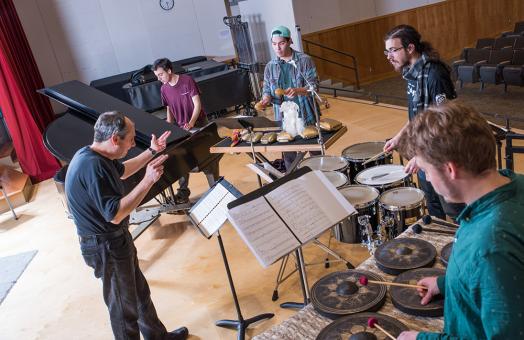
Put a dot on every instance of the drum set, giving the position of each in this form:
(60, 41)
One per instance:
(383, 195)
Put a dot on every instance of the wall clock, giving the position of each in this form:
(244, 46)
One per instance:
(167, 4)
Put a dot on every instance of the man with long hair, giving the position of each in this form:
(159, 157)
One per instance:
(428, 83)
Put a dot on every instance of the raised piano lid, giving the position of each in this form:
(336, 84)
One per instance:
(91, 103)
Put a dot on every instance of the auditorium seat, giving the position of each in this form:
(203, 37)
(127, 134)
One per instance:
(519, 43)
(492, 71)
(468, 69)
(504, 42)
(485, 43)
(517, 30)
(513, 74)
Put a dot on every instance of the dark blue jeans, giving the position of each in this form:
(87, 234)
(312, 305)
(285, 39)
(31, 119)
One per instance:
(125, 289)
(436, 204)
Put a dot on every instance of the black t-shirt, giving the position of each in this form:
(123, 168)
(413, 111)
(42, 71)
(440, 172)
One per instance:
(94, 189)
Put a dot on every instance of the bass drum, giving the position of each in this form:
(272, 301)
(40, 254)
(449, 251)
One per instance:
(364, 199)
(357, 154)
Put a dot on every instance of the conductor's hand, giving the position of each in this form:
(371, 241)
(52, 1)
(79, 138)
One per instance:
(155, 169)
(411, 167)
(430, 292)
(159, 144)
(408, 335)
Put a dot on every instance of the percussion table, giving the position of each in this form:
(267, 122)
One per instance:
(297, 145)
(308, 323)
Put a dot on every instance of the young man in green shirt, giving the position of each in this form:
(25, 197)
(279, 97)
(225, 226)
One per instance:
(483, 287)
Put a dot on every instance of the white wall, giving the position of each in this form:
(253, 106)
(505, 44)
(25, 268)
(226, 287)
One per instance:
(92, 39)
(262, 16)
(315, 15)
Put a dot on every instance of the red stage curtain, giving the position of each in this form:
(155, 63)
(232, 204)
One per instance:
(26, 112)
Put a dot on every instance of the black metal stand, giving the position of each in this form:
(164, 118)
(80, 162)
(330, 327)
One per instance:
(240, 325)
(303, 283)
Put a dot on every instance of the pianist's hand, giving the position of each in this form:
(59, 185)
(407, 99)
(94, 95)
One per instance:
(159, 144)
(155, 169)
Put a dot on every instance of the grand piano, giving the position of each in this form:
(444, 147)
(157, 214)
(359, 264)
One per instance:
(74, 129)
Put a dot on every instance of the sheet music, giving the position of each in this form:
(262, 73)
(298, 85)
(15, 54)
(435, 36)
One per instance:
(299, 210)
(211, 212)
(327, 196)
(262, 230)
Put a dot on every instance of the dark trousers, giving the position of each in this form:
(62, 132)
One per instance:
(436, 204)
(125, 289)
(183, 182)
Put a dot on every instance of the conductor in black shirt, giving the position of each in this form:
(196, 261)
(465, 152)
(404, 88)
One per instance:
(100, 209)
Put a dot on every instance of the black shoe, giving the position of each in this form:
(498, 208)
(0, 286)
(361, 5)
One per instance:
(178, 334)
(181, 199)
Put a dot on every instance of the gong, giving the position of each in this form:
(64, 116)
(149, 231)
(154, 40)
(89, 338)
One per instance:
(407, 299)
(355, 327)
(445, 253)
(340, 293)
(401, 254)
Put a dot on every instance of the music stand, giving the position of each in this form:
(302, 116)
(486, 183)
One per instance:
(208, 214)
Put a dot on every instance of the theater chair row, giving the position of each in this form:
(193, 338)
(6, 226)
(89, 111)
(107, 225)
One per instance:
(503, 66)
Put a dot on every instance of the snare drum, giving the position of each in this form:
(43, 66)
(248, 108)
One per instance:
(357, 154)
(325, 163)
(336, 178)
(384, 177)
(399, 208)
(364, 199)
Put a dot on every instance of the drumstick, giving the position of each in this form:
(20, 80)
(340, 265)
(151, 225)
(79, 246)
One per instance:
(372, 323)
(364, 281)
(428, 220)
(374, 157)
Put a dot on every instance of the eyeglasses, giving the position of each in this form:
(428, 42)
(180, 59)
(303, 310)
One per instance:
(392, 50)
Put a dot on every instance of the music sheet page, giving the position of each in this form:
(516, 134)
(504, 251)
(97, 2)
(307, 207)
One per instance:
(308, 206)
(262, 230)
(211, 213)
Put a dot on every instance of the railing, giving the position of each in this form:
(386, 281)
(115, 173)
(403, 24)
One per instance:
(352, 67)
(375, 97)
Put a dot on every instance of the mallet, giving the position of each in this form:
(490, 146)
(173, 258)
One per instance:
(373, 322)
(364, 281)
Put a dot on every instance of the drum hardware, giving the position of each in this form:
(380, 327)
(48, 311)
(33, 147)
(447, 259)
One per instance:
(427, 219)
(417, 229)
(386, 229)
(356, 326)
(373, 322)
(407, 300)
(367, 234)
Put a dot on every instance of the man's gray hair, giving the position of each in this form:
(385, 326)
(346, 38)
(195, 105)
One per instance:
(109, 124)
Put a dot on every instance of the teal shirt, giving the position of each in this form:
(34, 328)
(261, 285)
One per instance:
(484, 282)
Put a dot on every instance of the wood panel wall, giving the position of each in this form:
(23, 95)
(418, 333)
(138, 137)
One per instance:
(449, 26)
